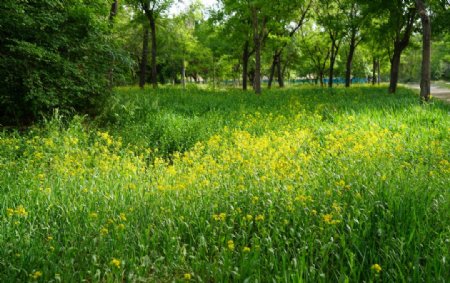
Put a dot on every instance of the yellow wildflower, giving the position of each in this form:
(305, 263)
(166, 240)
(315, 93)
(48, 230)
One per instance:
(20, 210)
(10, 212)
(259, 217)
(231, 245)
(328, 218)
(187, 276)
(103, 231)
(249, 217)
(246, 249)
(35, 275)
(220, 217)
(376, 267)
(123, 217)
(115, 262)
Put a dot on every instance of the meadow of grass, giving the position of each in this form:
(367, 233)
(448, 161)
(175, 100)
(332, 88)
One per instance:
(307, 184)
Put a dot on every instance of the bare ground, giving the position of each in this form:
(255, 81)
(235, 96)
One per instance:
(436, 91)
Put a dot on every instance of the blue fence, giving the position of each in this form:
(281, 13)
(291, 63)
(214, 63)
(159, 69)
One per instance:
(336, 81)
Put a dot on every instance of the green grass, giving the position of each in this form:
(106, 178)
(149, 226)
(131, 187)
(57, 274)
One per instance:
(303, 184)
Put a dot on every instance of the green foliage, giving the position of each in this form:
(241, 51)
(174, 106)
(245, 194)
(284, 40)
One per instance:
(440, 59)
(54, 54)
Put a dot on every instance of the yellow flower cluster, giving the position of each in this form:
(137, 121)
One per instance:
(328, 219)
(19, 211)
(376, 268)
(115, 262)
(230, 245)
(220, 217)
(35, 275)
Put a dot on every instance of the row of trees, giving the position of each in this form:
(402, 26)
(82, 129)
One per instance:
(320, 32)
(69, 54)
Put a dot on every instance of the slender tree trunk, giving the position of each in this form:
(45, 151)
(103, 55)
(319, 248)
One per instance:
(272, 70)
(183, 74)
(214, 73)
(251, 77)
(113, 11)
(351, 52)
(395, 66)
(112, 15)
(374, 71)
(245, 58)
(334, 51)
(257, 42)
(154, 74)
(143, 67)
(321, 79)
(378, 72)
(280, 72)
(425, 81)
(399, 45)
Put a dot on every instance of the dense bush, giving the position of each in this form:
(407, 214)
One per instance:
(53, 54)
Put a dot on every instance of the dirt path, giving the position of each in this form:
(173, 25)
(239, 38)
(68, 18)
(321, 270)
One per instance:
(436, 91)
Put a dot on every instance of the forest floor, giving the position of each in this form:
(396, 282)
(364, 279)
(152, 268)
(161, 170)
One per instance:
(437, 90)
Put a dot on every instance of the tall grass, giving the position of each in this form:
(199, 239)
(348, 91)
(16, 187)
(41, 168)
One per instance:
(297, 185)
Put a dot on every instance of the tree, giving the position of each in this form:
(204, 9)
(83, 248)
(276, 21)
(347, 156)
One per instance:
(403, 30)
(257, 14)
(288, 20)
(353, 24)
(144, 58)
(316, 51)
(152, 9)
(54, 54)
(231, 35)
(425, 81)
(330, 18)
(258, 33)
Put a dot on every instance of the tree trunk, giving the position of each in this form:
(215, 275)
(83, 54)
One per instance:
(272, 70)
(280, 72)
(143, 67)
(183, 74)
(154, 74)
(395, 66)
(374, 71)
(334, 51)
(113, 11)
(378, 72)
(399, 45)
(321, 79)
(425, 81)
(351, 52)
(112, 15)
(245, 58)
(214, 73)
(257, 42)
